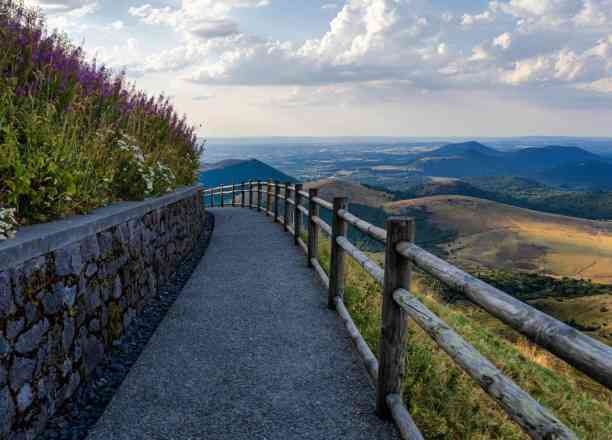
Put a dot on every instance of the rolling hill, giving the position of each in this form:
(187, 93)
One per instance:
(494, 235)
(237, 171)
(520, 192)
(360, 194)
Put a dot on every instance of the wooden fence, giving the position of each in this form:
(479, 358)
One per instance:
(401, 254)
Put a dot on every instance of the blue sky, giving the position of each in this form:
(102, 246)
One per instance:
(361, 67)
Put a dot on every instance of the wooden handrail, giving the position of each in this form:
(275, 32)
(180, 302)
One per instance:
(588, 355)
(537, 421)
(585, 353)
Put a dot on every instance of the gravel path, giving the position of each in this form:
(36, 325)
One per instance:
(248, 351)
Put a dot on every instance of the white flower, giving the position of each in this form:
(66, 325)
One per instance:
(8, 223)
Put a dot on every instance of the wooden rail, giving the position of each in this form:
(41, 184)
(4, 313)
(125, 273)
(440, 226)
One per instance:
(398, 304)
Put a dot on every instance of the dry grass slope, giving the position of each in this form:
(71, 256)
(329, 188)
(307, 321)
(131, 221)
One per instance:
(444, 401)
(495, 235)
(330, 188)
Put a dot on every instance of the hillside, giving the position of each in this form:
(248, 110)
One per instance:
(520, 192)
(494, 235)
(360, 194)
(238, 171)
(75, 135)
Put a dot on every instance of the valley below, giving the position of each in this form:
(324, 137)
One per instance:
(500, 214)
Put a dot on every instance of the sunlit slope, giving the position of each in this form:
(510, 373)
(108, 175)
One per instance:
(332, 187)
(502, 236)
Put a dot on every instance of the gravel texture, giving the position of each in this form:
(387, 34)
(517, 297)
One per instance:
(248, 351)
(73, 422)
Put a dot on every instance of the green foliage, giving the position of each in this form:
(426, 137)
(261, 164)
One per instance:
(443, 400)
(62, 122)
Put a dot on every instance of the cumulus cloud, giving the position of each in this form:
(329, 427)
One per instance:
(199, 18)
(409, 44)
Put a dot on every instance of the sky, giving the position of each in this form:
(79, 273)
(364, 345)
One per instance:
(360, 67)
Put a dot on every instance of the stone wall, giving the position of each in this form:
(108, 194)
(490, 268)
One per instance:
(69, 290)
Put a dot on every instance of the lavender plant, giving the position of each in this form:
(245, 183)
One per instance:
(63, 121)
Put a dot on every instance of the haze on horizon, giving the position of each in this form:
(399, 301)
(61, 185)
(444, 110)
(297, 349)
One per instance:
(442, 68)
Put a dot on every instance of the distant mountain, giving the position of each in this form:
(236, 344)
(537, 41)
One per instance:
(553, 164)
(465, 148)
(237, 171)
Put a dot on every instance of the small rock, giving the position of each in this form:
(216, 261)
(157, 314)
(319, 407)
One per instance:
(90, 249)
(7, 411)
(66, 293)
(21, 372)
(30, 340)
(91, 270)
(31, 313)
(51, 301)
(24, 397)
(117, 288)
(6, 297)
(14, 327)
(5, 348)
(68, 333)
(68, 260)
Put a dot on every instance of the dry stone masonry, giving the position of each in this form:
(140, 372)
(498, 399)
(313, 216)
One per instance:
(68, 292)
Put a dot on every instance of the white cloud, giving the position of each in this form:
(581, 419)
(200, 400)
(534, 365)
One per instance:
(469, 20)
(504, 40)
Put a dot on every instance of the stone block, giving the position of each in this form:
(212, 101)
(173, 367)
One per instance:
(22, 372)
(31, 339)
(68, 260)
(6, 295)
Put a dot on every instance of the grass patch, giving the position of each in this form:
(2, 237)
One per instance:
(444, 401)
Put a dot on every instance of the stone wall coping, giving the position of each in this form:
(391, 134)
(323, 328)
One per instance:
(36, 240)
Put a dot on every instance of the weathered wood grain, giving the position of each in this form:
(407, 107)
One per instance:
(286, 212)
(367, 228)
(586, 354)
(323, 203)
(313, 228)
(297, 215)
(319, 270)
(269, 195)
(323, 226)
(403, 420)
(370, 361)
(276, 196)
(373, 269)
(393, 323)
(337, 264)
(259, 198)
(534, 419)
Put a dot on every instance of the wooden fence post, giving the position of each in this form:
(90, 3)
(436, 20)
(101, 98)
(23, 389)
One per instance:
(269, 197)
(393, 324)
(336, 266)
(297, 215)
(222, 197)
(313, 228)
(259, 195)
(251, 194)
(276, 192)
(287, 206)
(233, 194)
(212, 197)
(242, 193)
